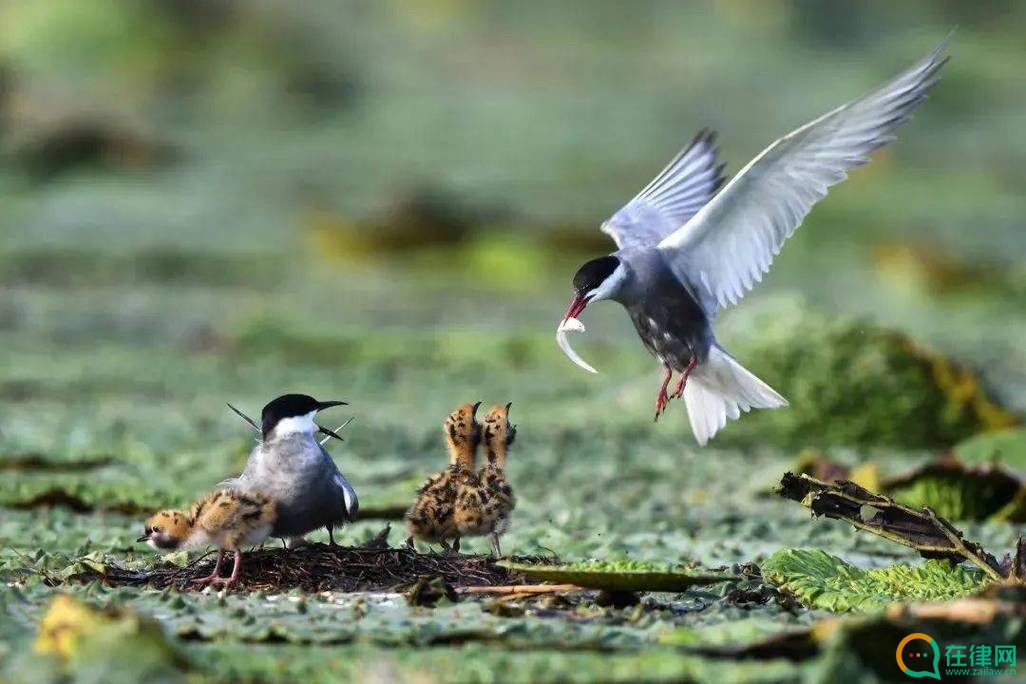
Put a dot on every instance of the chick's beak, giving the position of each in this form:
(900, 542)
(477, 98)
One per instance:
(143, 538)
(477, 405)
(577, 305)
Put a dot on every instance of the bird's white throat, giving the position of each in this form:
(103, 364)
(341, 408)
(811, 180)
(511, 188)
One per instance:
(295, 425)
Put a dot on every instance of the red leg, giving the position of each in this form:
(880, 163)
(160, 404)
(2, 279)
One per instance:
(679, 392)
(213, 575)
(661, 399)
(236, 568)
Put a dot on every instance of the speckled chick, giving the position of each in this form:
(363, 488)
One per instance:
(484, 504)
(226, 518)
(431, 518)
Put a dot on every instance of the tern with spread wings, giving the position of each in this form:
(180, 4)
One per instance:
(685, 251)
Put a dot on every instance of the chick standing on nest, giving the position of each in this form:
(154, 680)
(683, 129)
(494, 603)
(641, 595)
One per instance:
(227, 518)
(484, 503)
(430, 519)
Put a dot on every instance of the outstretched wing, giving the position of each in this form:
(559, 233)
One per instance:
(673, 197)
(728, 245)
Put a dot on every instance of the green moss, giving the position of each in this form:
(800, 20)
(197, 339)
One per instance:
(820, 580)
(851, 382)
(960, 494)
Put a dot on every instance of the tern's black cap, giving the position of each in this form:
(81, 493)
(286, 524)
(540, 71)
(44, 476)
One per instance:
(290, 406)
(594, 273)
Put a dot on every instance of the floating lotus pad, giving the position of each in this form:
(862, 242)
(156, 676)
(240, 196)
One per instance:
(620, 575)
(1007, 447)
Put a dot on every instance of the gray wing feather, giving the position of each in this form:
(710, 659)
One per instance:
(339, 480)
(729, 244)
(672, 198)
(349, 494)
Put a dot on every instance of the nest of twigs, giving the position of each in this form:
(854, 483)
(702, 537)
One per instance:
(319, 567)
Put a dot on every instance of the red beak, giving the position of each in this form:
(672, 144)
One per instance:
(577, 305)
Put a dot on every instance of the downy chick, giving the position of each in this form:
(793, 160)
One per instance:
(484, 504)
(430, 519)
(291, 467)
(227, 518)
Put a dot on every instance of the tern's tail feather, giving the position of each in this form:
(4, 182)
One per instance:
(721, 388)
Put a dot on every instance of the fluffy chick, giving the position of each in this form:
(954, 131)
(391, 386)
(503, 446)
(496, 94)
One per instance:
(430, 519)
(484, 503)
(226, 518)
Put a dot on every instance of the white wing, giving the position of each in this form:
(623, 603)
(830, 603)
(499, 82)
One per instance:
(673, 197)
(724, 250)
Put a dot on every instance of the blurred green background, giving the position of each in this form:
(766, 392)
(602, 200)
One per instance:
(384, 202)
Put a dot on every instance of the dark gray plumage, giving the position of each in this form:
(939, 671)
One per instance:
(301, 476)
(291, 467)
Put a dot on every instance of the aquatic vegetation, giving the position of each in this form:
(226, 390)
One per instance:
(329, 201)
(853, 382)
(115, 645)
(978, 490)
(962, 492)
(931, 535)
(821, 580)
(621, 575)
(1007, 447)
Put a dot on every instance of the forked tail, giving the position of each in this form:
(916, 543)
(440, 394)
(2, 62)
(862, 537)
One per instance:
(721, 388)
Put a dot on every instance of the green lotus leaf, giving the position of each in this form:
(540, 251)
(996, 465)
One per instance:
(1003, 446)
(621, 575)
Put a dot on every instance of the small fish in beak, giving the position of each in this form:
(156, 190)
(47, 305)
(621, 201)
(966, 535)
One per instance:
(571, 324)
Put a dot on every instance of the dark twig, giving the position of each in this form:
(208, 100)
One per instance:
(1017, 573)
(923, 530)
(327, 431)
(246, 418)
